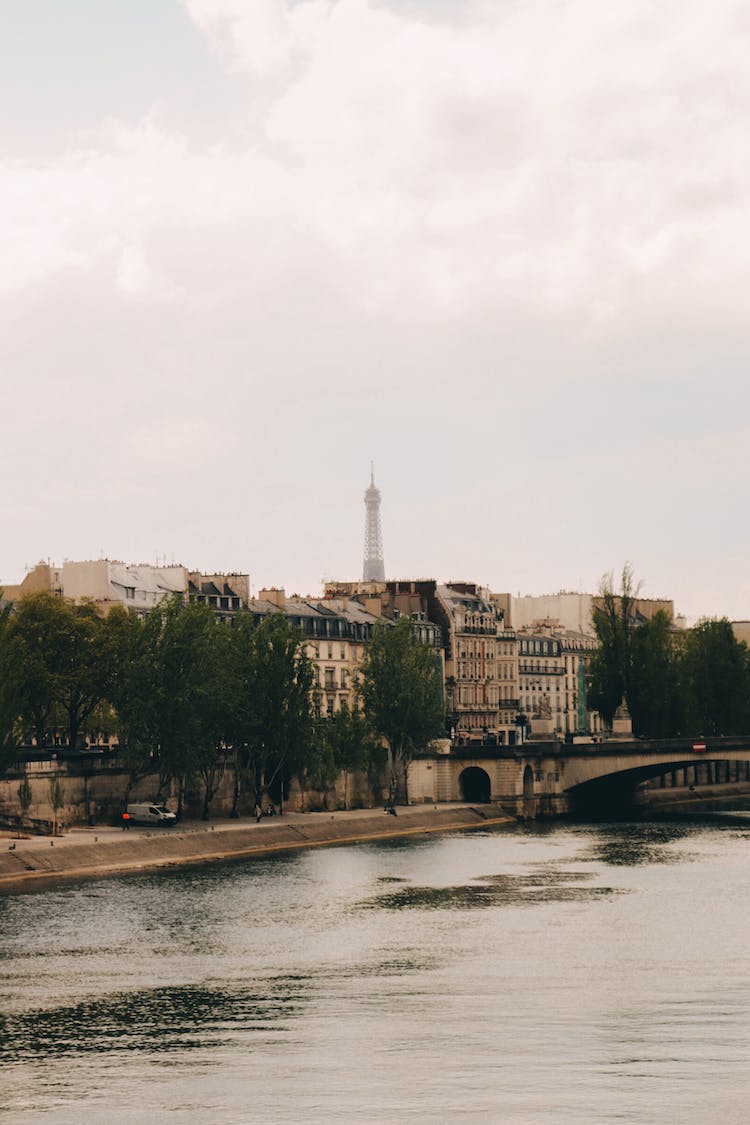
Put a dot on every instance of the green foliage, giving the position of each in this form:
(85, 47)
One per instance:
(25, 796)
(716, 680)
(64, 663)
(318, 768)
(656, 702)
(402, 693)
(181, 656)
(134, 686)
(56, 798)
(351, 745)
(10, 698)
(26, 652)
(611, 666)
(273, 710)
(689, 683)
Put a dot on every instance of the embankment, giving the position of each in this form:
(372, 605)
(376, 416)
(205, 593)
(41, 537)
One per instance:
(696, 798)
(96, 852)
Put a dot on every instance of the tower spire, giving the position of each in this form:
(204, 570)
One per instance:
(374, 566)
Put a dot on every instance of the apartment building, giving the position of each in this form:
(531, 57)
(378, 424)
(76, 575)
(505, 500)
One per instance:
(552, 664)
(225, 594)
(570, 609)
(335, 631)
(481, 666)
(108, 582)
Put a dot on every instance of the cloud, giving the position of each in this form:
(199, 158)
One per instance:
(517, 220)
(263, 38)
(565, 160)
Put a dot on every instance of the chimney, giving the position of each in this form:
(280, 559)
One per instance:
(275, 596)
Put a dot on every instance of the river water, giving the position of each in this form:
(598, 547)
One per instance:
(574, 973)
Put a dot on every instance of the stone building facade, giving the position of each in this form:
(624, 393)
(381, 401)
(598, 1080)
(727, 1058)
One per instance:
(335, 631)
(552, 665)
(569, 609)
(108, 582)
(481, 666)
(388, 601)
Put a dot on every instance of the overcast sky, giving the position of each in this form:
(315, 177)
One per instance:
(500, 247)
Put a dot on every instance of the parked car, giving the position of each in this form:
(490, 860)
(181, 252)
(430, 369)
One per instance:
(151, 814)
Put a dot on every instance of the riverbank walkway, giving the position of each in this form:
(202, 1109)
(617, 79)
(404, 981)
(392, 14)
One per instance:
(84, 852)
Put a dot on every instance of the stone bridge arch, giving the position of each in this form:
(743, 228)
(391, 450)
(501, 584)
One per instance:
(609, 789)
(474, 785)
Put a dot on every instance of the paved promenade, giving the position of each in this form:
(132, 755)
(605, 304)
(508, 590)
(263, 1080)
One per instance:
(103, 850)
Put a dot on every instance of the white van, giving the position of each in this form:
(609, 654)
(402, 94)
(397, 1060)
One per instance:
(151, 814)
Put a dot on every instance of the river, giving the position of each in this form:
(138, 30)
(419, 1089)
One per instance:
(569, 973)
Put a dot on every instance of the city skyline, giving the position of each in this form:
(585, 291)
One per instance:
(495, 248)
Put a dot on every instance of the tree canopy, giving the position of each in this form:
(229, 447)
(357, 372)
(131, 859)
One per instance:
(675, 682)
(611, 666)
(273, 699)
(402, 692)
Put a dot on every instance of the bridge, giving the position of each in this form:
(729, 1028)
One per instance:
(539, 779)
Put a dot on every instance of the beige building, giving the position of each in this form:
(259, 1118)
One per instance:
(105, 582)
(741, 630)
(225, 594)
(336, 631)
(480, 657)
(391, 599)
(573, 611)
(552, 663)
(43, 578)
(481, 666)
(108, 582)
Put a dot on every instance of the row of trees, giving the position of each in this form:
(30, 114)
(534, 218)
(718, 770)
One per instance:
(187, 694)
(675, 682)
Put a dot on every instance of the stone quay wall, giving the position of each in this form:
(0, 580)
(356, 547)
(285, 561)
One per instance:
(96, 787)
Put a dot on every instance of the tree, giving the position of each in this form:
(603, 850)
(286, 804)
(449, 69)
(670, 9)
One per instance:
(56, 799)
(402, 691)
(27, 631)
(351, 742)
(655, 699)
(84, 668)
(134, 641)
(215, 724)
(611, 666)
(318, 769)
(10, 698)
(25, 798)
(183, 718)
(64, 662)
(716, 680)
(273, 721)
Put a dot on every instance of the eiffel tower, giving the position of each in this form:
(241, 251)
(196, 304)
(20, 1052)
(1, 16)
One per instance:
(374, 568)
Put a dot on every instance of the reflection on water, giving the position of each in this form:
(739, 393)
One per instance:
(582, 973)
(156, 1020)
(545, 885)
(632, 845)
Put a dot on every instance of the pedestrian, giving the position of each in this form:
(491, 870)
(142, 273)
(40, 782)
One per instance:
(258, 813)
(126, 821)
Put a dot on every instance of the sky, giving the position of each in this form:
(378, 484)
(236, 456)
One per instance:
(498, 247)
